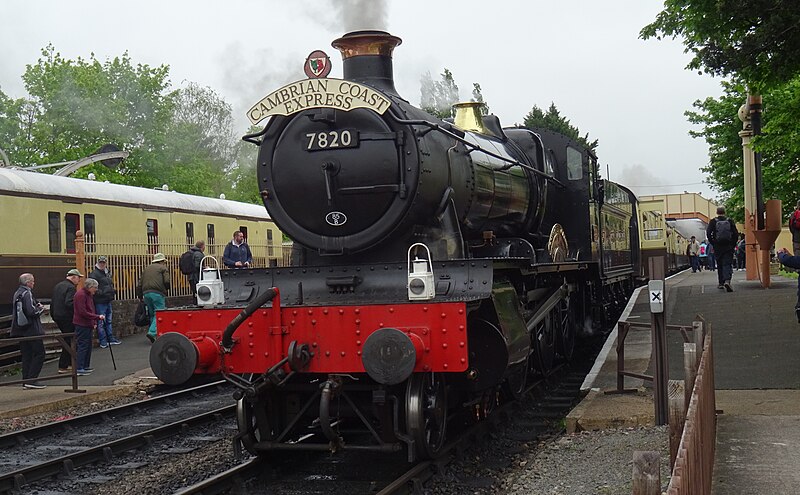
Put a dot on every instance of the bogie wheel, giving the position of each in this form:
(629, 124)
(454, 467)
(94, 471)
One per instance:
(426, 413)
(252, 423)
(516, 380)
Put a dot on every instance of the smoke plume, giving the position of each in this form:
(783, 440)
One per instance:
(355, 15)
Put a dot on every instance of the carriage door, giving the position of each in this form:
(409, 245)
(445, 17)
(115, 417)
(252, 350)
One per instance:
(72, 224)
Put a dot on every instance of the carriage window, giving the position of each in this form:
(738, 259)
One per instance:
(152, 235)
(243, 230)
(89, 230)
(189, 233)
(72, 224)
(270, 246)
(54, 231)
(574, 164)
(210, 238)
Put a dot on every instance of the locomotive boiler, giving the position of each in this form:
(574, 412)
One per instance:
(437, 265)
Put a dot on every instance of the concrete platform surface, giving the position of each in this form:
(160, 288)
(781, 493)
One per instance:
(132, 372)
(757, 376)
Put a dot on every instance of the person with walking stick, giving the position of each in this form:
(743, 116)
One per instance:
(85, 319)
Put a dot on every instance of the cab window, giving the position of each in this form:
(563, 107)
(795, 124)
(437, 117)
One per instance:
(574, 164)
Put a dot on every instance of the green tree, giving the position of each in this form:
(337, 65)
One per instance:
(755, 41)
(779, 143)
(438, 97)
(478, 96)
(80, 105)
(554, 121)
(243, 173)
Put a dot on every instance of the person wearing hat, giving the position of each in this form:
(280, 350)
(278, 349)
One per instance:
(62, 311)
(102, 302)
(152, 288)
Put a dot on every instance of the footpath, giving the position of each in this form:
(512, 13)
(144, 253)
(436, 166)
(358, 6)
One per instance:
(133, 369)
(757, 377)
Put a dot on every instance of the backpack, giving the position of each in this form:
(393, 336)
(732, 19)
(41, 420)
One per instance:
(702, 250)
(794, 222)
(723, 232)
(186, 263)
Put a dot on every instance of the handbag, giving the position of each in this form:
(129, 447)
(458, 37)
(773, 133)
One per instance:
(22, 319)
(141, 317)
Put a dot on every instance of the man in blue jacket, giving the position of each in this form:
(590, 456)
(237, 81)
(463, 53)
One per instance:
(792, 262)
(237, 253)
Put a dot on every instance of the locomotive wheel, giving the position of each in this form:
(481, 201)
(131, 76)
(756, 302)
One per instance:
(426, 413)
(567, 329)
(545, 343)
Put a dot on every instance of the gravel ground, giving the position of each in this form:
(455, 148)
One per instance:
(586, 463)
(12, 424)
(590, 463)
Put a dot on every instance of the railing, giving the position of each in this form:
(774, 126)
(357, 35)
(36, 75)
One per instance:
(127, 260)
(61, 338)
(694, 462)
(624, 328)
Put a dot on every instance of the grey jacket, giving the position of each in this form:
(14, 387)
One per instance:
(32, 310)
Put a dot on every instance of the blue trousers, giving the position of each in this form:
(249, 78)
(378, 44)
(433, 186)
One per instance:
(154, 301)
(104, 332)
(83, 337)
(695, 262)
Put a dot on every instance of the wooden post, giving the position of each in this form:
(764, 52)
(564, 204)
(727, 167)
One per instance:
(677, 417)
(646, 473)
(689, 370)
(699, 333)
(80, 252)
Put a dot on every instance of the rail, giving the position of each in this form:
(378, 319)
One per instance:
(61, 338)
(694, 461)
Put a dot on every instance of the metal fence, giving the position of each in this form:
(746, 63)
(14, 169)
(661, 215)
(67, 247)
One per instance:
(127, 260)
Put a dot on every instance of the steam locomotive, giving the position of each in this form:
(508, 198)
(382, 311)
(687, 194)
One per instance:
(437, 265)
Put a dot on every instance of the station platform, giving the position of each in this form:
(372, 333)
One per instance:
(757, 377)
(132, 374)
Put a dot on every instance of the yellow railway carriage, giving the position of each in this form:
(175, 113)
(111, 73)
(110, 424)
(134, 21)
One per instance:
(659, 238)
(40, 215)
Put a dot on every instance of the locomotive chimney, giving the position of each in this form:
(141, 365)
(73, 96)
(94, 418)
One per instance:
(367, 58)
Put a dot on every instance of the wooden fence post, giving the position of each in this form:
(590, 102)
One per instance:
(677, 417)
(699, 339)
(80, 252)
(646, 473)
(689, 370)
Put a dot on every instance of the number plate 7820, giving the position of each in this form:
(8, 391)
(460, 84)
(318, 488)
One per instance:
(326, 140)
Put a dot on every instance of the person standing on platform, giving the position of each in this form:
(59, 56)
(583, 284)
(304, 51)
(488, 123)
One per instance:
(792, 262)
(740, 252)
(703, 255)
(62, 311)
(712, 261)
(85, 320)
(26, 322)
(693, 249)
(723, 235)
(237, 253)
(152, 288)
(102, 302)
(794, 228)
(198, 251)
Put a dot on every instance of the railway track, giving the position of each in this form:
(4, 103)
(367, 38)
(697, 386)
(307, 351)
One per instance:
(39, 453)
(539, 414)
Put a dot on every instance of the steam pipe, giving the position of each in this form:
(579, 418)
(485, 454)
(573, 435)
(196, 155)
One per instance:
(265, 297)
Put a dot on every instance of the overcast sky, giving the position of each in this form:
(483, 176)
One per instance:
(583, 55)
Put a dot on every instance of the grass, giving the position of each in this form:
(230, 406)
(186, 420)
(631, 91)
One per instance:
(784, 273)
